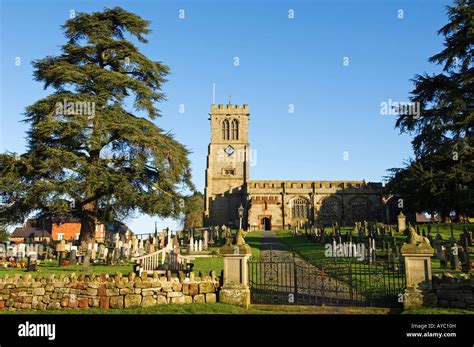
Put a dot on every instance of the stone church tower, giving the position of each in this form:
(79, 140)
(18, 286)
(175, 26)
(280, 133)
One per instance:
(227, 171)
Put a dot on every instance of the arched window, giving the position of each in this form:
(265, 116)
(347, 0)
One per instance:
(234, 129)
(299, 208)
(225, 129)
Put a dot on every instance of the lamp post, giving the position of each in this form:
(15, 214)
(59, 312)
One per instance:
(241, 214)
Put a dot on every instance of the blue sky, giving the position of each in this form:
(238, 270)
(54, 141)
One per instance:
(283, 61)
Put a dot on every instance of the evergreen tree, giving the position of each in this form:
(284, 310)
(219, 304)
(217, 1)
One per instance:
(4, 234)
(194, 211)
(93, 151)
(440, 177)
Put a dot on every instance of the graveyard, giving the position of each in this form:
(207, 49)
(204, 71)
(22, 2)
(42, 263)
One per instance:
(66, 257)
(363, 279)
(454, 249)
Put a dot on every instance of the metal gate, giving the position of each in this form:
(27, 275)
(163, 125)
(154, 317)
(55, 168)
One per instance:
(284, 278)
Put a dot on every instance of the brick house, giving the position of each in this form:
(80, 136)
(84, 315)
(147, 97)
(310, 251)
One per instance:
(27, 235)
(61, 229)
(72, 229)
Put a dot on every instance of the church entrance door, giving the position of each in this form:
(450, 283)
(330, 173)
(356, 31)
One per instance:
(266, 223)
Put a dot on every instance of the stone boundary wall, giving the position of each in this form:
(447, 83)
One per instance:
(103, 291)
(453, 292)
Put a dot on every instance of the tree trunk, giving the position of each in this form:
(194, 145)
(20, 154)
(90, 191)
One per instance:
(88, 226)
(86, 262)
(88, 223)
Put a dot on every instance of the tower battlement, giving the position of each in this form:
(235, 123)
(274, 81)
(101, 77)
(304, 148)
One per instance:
(225, 108)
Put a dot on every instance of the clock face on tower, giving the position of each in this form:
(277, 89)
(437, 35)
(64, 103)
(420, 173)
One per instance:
(229, 150)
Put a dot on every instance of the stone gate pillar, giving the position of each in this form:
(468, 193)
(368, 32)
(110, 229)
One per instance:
(235, 289)
(418, 291)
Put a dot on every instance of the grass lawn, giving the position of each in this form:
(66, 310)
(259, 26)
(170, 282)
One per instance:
(216, 308)
(254, 240)
(437, 311)
(159, 309)
(48, 267)
(216, 263)
(219, 308)
(301, 245)
(206, 265)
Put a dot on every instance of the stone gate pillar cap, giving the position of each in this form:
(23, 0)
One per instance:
(420, 248)
(237, 246)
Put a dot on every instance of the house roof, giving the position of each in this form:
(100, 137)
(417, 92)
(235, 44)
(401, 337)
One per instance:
(29, 232)
(423, 218)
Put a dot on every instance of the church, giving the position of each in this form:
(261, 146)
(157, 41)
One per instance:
(271, 204)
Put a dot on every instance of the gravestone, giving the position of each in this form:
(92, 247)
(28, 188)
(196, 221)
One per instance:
(390, 256)
(466, 261)
(373, 249)
(116, 240)
(452, 239)
(176, 249)
(32, 264)
(49, 252)
(169, 244)
(454, 257)
(61, 258)
(206, 239)
(72, 257)
(443, 258)
(122, 251)
(366, 228)
(134, 244)
(361, 234)
(396, 248)
(438, 248)
(401, 222)
(349, 237)
(191, 244)
(162, 242)
(467, 236)
(109, 256)
(430, 238)
(213, 234)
